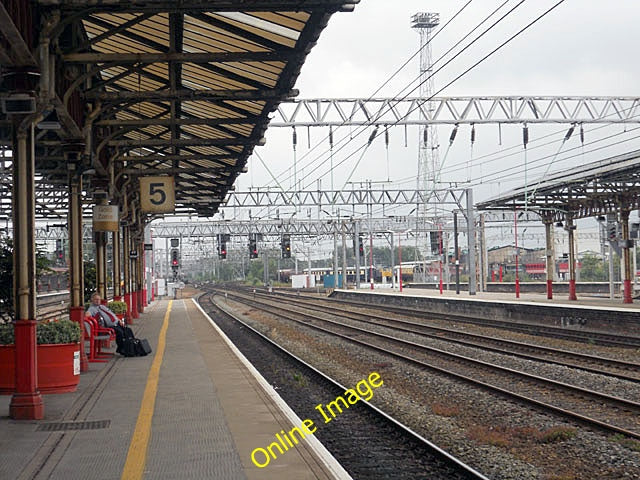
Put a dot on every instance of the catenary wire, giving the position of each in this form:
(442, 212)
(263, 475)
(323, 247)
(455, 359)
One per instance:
(351, 136)
(481, 60)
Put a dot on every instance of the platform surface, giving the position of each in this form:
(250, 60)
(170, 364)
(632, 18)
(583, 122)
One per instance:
(560, 299)
(192, 410)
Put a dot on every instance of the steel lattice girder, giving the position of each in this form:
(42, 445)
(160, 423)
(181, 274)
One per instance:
(456, 110)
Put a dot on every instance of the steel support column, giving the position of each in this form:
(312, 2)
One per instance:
(572, 259)
(548, 235)
(134, 274)
(140, 275)
(344, 257)
(26, 403)
(626, 258)
(117, 291)
(471, 239)
(126, 263)
(76, 310)
(100, 253)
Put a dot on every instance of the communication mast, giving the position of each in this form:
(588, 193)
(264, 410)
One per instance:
(428, 162)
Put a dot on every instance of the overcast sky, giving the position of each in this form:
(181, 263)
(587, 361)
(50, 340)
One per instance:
(583, 47)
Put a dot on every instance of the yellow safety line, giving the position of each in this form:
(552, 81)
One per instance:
(137, 455)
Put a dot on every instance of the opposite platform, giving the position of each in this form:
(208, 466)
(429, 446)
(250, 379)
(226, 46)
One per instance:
(598, 315)
(192, 409)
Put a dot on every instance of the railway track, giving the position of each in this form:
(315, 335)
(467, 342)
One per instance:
(593, 408)
(399, 452)
(590, 363)
(583, 336)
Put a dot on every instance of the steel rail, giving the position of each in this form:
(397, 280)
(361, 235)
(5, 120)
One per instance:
(420, 330)
(447, 457)
(522, 398)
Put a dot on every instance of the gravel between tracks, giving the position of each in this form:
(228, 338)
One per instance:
(496, 436)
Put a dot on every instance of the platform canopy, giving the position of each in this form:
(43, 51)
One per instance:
(180, 88)
(597, 188)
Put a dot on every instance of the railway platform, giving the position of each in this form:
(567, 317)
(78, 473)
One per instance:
(194, 408)
(587, 300)
(587, 313)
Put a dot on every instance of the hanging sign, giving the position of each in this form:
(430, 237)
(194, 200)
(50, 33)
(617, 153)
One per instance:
(157, 194)
(105, 218)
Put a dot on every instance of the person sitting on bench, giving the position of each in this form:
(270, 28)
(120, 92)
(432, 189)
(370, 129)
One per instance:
(107, 319)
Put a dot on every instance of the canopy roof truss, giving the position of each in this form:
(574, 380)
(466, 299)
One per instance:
(168, 88)
(597, 188)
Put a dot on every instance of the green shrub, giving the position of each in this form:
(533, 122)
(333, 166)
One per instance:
(62, 331)
(119, 308)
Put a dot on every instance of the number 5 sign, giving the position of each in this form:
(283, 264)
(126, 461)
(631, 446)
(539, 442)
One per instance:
(157, 194)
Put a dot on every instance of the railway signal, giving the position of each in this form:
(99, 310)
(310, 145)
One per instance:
(285, 245)
(222, 246)
(253, 247)
(175, 258)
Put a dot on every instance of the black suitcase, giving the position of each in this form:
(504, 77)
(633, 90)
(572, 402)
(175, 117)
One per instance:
(142, 347)
(129, 348)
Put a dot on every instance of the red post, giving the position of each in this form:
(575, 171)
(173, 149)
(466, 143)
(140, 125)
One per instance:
(493, 275)
(500, 273)
(26, 403)
(134, 304)
(627, 291)
(572, 290)
(550, 289)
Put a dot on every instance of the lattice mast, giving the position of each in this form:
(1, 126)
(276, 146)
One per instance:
(428, 161)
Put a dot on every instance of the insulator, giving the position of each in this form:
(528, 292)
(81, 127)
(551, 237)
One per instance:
(581, 134)
(425, 136)
(525, 135)
(454, 132)
(331, 137)
(569, 133)
(295, 137)
(386, 136)
(473, 133)
(373, 135)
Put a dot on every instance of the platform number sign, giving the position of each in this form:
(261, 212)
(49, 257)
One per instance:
(157, 194)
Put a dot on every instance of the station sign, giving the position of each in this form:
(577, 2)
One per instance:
(148, 246)
(105, 218)
(157, 194)
(133, 254)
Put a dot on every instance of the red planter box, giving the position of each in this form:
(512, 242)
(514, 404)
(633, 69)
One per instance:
(58, 368)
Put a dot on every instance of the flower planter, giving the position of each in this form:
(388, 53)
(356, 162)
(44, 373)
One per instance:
(58, 368)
